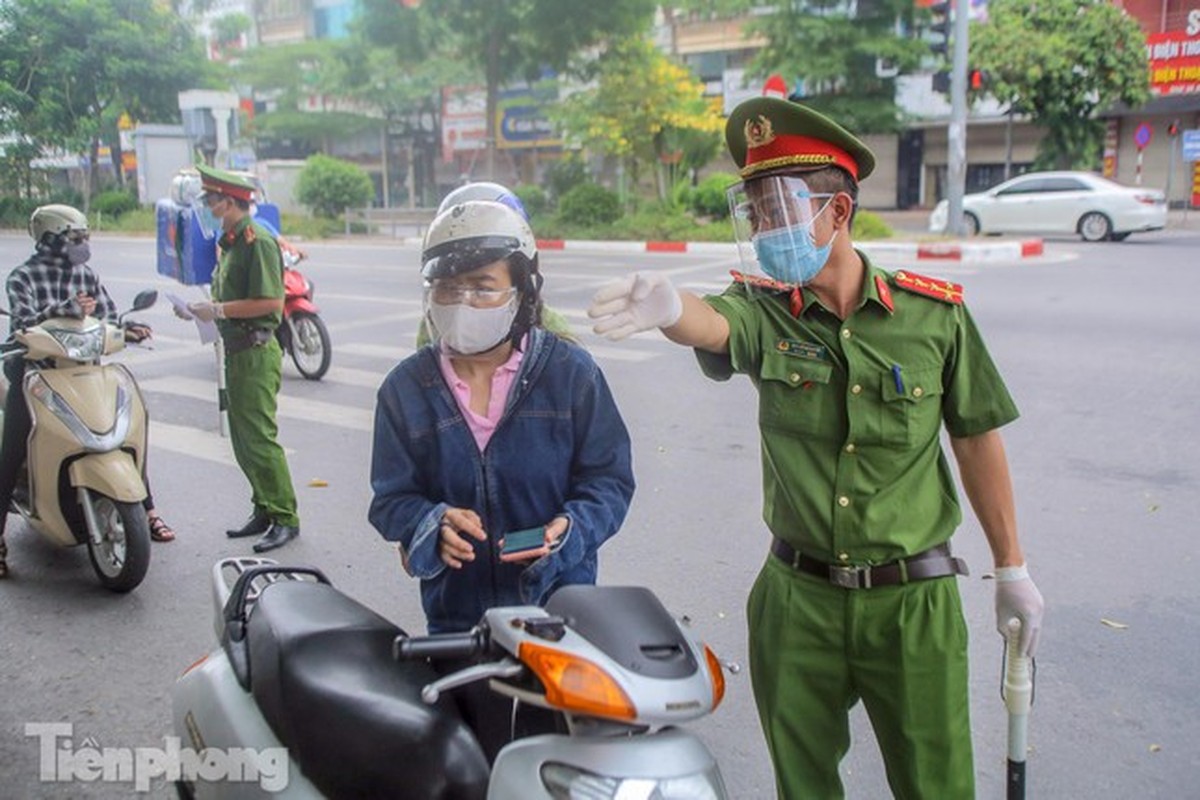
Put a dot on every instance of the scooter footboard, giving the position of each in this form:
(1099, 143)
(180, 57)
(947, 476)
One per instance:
(671, 756)
(244, 758)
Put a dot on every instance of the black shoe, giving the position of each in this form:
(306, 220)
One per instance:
(258, 523)
(276, 536)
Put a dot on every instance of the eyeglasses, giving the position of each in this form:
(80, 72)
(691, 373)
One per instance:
(449, 294)
(773, 210)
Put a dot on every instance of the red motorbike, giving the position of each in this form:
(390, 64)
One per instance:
(303, 334)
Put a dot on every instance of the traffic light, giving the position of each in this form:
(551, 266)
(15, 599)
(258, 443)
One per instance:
(977, 80)
(1173, 128)
(940, 25)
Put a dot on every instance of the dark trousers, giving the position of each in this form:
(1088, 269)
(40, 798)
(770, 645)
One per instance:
(493, 718)
(15, 445)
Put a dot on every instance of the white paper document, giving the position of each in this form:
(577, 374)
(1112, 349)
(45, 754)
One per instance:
(207, 330)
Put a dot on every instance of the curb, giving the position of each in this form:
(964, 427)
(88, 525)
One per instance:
(911, 251)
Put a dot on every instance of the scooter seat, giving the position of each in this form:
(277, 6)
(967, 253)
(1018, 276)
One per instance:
(322, 673)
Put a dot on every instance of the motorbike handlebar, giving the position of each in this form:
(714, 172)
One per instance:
(440, 646)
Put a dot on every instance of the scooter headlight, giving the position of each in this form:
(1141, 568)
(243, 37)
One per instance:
(92, 441)
(565, 782)
(85, 345)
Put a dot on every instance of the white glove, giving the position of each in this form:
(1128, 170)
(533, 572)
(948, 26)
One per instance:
(637, 302)
(205, 311)
(1016, 596)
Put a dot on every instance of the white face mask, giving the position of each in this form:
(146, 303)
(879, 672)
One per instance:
(467, 330)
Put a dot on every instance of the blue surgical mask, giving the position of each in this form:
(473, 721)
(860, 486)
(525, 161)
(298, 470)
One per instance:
(790, 255)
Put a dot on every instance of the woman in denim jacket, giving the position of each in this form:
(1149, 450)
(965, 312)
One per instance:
(497, 426)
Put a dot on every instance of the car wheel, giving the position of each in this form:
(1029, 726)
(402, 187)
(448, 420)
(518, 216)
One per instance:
(970, 223)
(1094, 227)
(1119, 237)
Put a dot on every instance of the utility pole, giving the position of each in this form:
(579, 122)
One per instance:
(956, 159)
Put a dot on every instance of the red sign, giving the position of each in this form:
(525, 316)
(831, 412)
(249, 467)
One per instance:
(1174, 59)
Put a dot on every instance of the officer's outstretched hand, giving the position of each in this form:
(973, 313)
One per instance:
(637, 302)
(1016, 596)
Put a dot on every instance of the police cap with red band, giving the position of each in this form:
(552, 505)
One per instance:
(771, 135)
(218, 181)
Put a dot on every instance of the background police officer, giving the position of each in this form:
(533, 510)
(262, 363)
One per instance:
(247, 305)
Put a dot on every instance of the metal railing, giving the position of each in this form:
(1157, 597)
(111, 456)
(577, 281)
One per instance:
(395, 222)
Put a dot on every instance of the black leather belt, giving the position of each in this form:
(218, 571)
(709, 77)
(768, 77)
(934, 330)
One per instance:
(244, 340)
(936, 562)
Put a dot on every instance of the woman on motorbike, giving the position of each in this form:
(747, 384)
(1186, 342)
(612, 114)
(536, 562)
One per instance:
(55, 281)
(497, 426)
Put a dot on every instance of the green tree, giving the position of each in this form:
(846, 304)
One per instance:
(69, 68)
(847, 55)
(329, 186)
(641, 110)
(523, 38)
(1061, 61)
(292, 75)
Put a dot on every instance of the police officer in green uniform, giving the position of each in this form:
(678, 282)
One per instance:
(247, 306)
(857, 370)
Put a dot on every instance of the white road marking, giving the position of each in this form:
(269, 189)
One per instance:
(341, 416)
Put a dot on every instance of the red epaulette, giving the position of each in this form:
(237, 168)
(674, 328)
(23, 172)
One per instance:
(945, 291)
(795, 293)
(761, 281)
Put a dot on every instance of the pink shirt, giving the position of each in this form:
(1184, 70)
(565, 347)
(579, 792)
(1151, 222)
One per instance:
(482, 427)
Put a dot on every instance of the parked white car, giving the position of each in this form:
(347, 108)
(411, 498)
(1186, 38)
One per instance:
(1060, 202)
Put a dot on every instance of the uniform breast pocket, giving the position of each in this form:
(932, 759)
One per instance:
(794, 394)
(912, 407)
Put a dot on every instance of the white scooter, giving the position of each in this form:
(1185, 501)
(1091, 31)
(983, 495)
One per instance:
(82, 482)
(311, 695)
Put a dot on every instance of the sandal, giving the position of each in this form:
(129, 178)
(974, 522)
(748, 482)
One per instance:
(160, 531)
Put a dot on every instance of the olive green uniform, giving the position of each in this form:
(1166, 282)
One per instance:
(850, 414)
(250, 268)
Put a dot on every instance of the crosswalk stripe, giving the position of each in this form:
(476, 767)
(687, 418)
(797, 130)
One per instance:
(342, 416)
(391, 352)
(365, 378)
(188, 441)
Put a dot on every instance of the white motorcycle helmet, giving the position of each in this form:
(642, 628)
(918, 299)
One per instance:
(56, 220)
(477, 233)
(484, 190)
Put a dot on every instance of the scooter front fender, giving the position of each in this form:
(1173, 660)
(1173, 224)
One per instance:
(113, 474)
(299, 305)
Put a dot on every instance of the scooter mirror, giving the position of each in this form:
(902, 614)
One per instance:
(145, 299)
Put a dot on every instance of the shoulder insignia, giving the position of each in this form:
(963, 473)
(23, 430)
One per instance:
(795, 293)
(250, 235)
(938, 289)
(759, 281)
(885, 293)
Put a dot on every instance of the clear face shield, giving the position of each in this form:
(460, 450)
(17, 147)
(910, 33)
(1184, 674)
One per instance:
(773, 221)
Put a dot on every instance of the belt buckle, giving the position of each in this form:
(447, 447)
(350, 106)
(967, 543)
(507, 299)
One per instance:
(850, 577)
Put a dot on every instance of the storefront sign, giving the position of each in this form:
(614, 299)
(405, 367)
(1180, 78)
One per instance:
(1174, 59)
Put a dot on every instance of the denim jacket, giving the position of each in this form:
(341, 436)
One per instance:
(560, 449)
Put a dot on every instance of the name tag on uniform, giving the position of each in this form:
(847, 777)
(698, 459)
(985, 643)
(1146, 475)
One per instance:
(809, 350)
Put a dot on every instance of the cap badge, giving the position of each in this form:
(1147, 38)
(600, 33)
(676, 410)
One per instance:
(759, 132)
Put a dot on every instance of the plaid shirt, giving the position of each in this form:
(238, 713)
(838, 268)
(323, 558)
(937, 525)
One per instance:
(45, 286)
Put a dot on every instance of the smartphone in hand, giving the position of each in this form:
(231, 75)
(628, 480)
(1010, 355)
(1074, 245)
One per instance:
(523, 541)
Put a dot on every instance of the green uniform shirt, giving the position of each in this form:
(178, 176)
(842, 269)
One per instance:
(250, 268)
(853, 468)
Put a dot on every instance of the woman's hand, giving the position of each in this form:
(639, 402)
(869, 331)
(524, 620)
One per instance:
(554, 531)
(453, 547)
